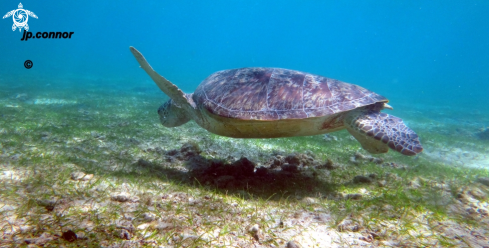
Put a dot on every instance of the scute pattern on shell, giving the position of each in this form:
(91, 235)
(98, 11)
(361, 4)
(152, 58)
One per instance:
(271, 94)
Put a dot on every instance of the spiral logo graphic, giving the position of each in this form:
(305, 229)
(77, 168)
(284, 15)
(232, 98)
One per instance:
(20, 16)
(28, 64)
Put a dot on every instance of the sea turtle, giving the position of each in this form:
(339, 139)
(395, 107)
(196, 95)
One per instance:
(272, 102)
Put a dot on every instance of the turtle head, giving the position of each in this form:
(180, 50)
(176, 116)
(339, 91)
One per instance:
(171, 115)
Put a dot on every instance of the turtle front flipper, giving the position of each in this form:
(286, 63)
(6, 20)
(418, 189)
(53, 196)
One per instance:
(166, 86)
(377, 131)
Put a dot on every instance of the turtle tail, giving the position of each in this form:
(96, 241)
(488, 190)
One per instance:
(376, 131)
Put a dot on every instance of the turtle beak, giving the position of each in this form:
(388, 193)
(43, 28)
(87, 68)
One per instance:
(387, 106)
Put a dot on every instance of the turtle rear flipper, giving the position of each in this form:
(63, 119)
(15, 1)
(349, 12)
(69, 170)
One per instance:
(377, 131)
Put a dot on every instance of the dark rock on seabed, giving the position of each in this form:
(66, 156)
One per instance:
(186, 152)
(69, 236)
(362, 179)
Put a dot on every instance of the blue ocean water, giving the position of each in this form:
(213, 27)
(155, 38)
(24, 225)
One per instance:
(423, 52)
(430, 58)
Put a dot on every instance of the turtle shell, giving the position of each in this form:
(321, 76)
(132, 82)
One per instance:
(272, 94)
